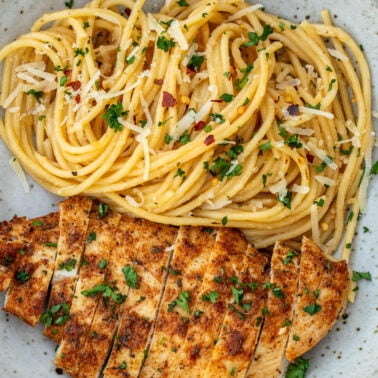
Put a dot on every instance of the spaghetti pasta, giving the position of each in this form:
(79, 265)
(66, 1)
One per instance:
(206, 113)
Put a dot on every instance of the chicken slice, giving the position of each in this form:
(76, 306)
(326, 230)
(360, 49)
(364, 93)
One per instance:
(73, 223)
(241, 327)
(210, 306)
(10, 252)
(146, 276)
(268, 360)
(33, 271)
(12, 246)
(99, 243)
(186, 272)
(322, 297)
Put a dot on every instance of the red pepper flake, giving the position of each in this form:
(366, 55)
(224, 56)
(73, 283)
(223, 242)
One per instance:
(77, 99)
(75, 85)
(310, 158)
(158, 81)
(199, 125)
(293, 109)
(209, 139)
(168, 100)
(127, 11)
(220, 100)
(67, 72)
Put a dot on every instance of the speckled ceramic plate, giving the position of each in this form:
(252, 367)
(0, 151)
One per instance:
(350, 350)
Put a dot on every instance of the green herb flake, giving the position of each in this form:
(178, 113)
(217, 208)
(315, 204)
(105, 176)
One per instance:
(131, 276)
(298, 368)
(67, 265)
(91, 237)
(224, 220)
(195, 62)
(22, 276)
(212, 296)
(374, 168)
(164, 43)
(63, 81)
(226, 97)
(312, 309)
(286, 199)
(290, 255)
(123, 365)
(36, 94)
(112, 114)
(182, 301)
(103, 263)
(361, 275)
(69, 4)
(107, 292)
(237, 294)
(266, 146)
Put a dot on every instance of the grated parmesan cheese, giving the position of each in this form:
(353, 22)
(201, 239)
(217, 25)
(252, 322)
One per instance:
(245, 11)
(299, 130)
(338, 55)
(131, 200)
(177, 35)
(279, 187)
(325, 180)
(322, 113)
(302, 189)
(321, 154)
(153, 24)
(16, 166)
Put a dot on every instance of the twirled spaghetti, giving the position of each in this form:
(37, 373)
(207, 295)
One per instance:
(206, 113)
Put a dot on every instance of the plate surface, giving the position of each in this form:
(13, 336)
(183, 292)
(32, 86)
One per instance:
(350, 350)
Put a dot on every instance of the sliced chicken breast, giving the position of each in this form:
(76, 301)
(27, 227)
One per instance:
(185, 276)
(12, 246)
(210, 306)
(322, 297)
(241, 326)
(99, 243)
(146, 276)
(269, 360)
(73, 223)
(32, 275)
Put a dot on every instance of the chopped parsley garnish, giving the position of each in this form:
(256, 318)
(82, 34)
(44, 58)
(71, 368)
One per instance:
(107, 292)
(103, 209)
(182, 3)
(69, 4)
(286, 323)
(67, 265)
(112, 114)
(254, 38)
(79, 51)
(195, 62)
(91, 237)
(237, 294)
(289, 257)
(211, 296)
(47, 318)
(374, 168)
(281, 25)
(226, 97)
(102, 264)
(36, 94)
(63, 81)
(317, 106)
(123, 365)
(182, 301)
(22, 276)
(266, 146)
(240, 83)
(217, 117)
(180, 173)
(312, 309)
(319, 203)
(224, 220)
(50, 244)
(298, 368)
(131, 276)
(164, 43)
(228, 165)
(197, 313)
(37, 223)
(236, 311)
(361, 275)
(286, 199)
(331, 84)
